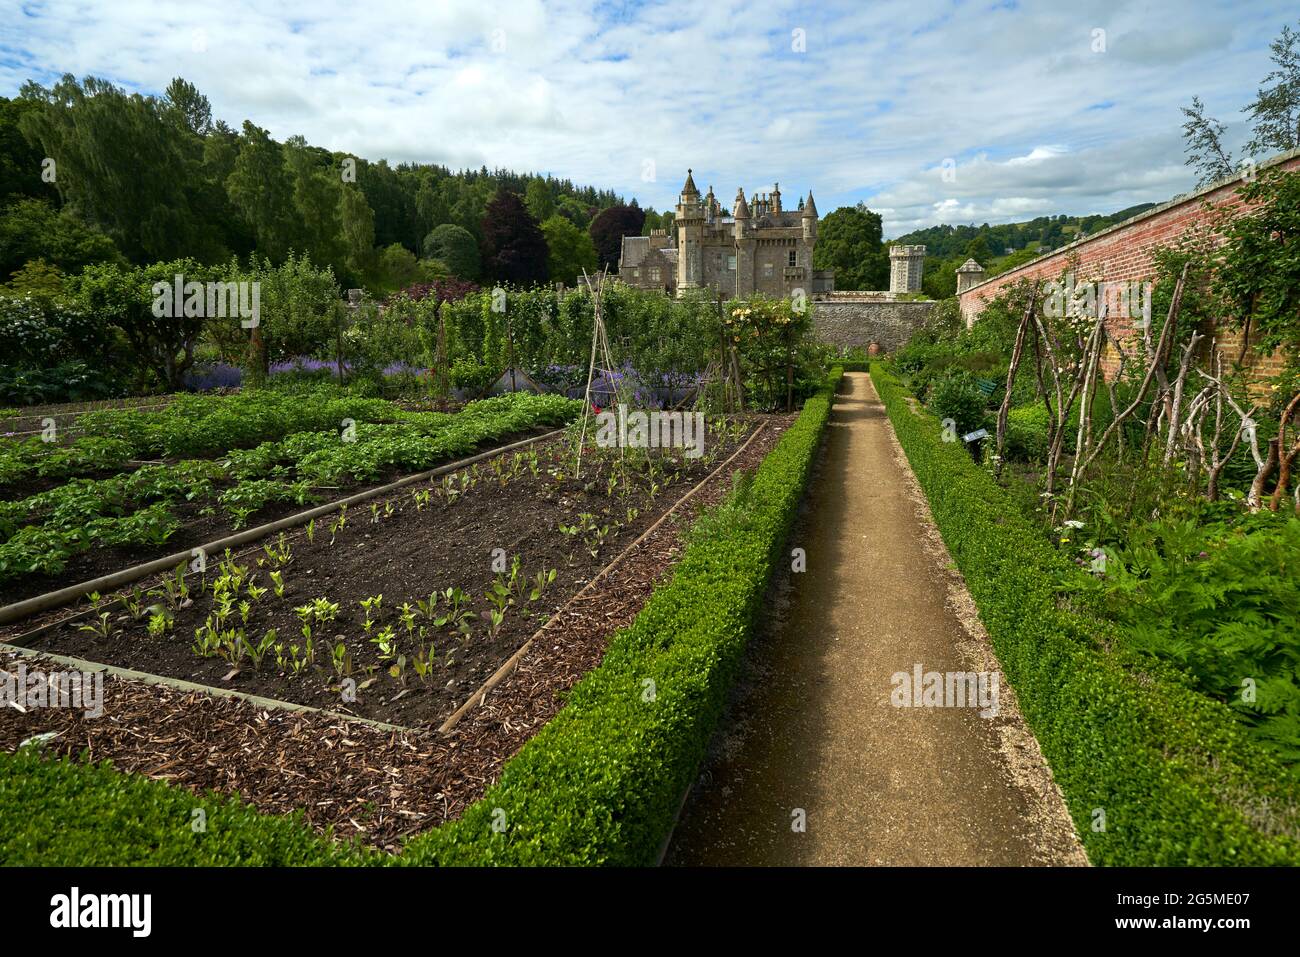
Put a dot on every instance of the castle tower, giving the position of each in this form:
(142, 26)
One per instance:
(745, 243)
(809, 219)
(690, 236)
(905, 266)
(970, 273)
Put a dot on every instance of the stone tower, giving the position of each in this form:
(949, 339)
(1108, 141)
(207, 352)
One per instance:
(745, 242)
(905, 266)
(690, 236)
(809, 220)
(970, 273)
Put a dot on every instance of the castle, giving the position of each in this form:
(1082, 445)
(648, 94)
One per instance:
(759, 247)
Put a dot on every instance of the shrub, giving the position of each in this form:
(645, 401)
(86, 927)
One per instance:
(122, 820)
(1026, 438)
(956, 396)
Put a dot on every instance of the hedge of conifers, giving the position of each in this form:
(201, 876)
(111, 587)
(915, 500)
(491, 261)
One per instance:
(1153, 772)
(600, 784)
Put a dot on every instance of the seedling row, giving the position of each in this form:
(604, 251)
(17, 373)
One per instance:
(398, 610)
(85, 526)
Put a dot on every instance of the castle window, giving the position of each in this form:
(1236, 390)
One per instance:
(767, 269)
(792, 257)
(654, 273)
(636, 272)
(731, 263)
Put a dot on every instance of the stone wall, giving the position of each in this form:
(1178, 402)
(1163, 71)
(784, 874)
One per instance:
(844, 321)
(1124, 253)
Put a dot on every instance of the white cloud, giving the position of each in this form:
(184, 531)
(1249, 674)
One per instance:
(1035, 119)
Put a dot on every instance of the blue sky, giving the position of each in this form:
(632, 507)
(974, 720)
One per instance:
(929, 111)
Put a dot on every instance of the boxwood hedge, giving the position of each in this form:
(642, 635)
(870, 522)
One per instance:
(68, 813)
(1153, 772)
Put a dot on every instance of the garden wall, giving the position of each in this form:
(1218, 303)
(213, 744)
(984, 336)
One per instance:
(844, 321)
(1124, 252)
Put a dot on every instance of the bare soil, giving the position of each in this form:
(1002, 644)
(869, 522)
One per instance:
(394, 549)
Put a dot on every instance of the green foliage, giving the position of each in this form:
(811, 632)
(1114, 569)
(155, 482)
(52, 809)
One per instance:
(570, 250)
(1222, 602)
(1259, 275)
(602, 781)
(32, 229)
(125, 165)
(123, 297)
(1175, 774)
(455, 246)
(848, 241)
(40, 533)
(298, 310)
(956, 396)
(1026, 438)
(68, 813)
(769, 336)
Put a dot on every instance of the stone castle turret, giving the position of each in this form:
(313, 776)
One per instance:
(906, 264)
(690, 225)
(970, 273)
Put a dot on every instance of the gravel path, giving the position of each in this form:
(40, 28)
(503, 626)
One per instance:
(812, 736)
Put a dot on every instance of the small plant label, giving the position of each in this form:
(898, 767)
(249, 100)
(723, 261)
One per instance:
(977, 434)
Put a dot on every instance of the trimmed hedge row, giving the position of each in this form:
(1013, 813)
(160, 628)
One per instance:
(1174, 775)
(601, 782)
(65, 813)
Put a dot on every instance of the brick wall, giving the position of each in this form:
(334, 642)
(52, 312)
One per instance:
(1124, 253)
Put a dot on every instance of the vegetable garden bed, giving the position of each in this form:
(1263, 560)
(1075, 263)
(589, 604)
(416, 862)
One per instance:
(398, 610)
(268, 456)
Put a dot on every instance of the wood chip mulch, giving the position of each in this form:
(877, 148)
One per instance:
(359, 780)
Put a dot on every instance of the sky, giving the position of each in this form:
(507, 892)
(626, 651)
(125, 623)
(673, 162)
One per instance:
(929, 111)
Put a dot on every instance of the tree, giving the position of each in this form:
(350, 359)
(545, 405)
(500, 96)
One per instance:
(31, 229)
(123, 296)
(21, 162)
(570, 250)
(1276, 110)
(121, 165)
(1275, 115)
(188, 107)
(539, 200)
(978, 250)
(456, 247)
(1203, 136)
(848, 241)
(608, 229)
(261, 189)
(514, 248)
(397, 267)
